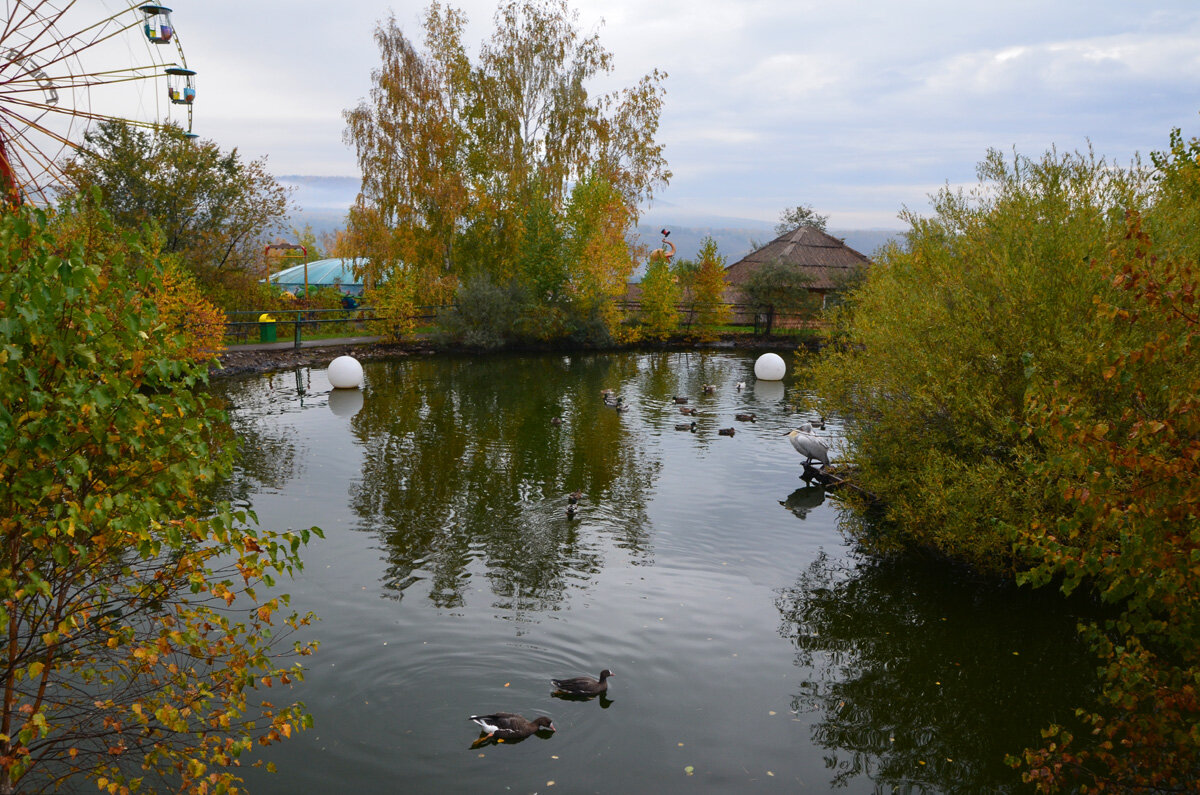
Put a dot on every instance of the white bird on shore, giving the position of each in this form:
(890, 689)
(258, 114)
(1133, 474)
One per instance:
(809, 445)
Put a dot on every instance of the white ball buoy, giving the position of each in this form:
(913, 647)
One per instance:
(770, 367)
(345, 373)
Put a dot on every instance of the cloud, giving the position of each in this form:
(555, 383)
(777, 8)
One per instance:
(856, 108)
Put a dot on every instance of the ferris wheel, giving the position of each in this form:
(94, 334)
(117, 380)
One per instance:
(68, 64)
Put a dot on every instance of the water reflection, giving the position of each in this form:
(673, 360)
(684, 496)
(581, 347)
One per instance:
(804, 499)
(769, 391)
(269, 450)
(464, 473)
(920, 680)
(345, 403)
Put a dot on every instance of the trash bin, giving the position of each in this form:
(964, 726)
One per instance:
(266, 328)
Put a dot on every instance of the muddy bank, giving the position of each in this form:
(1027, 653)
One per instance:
(244, 361)
(240, 362)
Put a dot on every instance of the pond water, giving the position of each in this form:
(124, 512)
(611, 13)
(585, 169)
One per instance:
(751, 648)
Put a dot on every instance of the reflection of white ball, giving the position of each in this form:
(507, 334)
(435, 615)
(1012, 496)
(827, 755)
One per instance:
(770, 367)
(345, 373)
(768, 391)
(345, 402)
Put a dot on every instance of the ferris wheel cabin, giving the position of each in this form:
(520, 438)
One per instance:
(158, 25)
(181, 85)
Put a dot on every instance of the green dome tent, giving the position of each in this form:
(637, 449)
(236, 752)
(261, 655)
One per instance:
(321, 273)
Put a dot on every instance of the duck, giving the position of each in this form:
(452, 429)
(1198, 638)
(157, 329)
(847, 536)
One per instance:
(575, 497)
(679, 399)
(726, 431)
(685, 426)
(709, 388)
(582, 685)
(571, 511)
(689, 411)
(741, 385)
(745, 417)
(556, 420)
(510, 726)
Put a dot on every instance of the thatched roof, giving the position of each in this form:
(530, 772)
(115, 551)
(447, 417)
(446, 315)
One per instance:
(826, 259)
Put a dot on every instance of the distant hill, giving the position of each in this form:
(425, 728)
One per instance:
(323, 202)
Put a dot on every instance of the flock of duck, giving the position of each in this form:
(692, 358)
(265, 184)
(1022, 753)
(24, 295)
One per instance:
(806, 443)
(509, 726)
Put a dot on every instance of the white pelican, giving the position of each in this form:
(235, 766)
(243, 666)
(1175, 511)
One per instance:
(808, 445)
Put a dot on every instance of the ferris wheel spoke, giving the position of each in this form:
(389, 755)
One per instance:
(38, 166)
(66, 66)
(65, 55)
(32, 19)
(76, 113)
(33, 85)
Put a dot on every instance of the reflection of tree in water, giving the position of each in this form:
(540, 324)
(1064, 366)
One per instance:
(918, 675)
(268, 452)
(463, 467)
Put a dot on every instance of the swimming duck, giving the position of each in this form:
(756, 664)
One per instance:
(689, 411)
(583, 685)
(571, 511)
(679, 399)
(575, 497)
(741, 385)
(709, 388)
(726, 432)
(745, 417)
(510, 726)
(685, 426)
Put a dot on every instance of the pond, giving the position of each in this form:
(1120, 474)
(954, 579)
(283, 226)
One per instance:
(751, 648)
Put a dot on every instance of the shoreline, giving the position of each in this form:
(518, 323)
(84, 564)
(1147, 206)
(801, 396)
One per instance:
(252, 360)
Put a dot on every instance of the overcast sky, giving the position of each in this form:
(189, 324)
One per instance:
(857, 108)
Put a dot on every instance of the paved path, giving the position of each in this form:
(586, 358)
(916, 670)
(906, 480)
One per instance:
(287, 345)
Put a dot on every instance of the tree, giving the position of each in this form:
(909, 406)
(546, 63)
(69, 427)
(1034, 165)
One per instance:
(412, 148)
(779, 288)
(469, 165)
(135, 631)
(1019, 389)
(1124, 456)
(932, 359)
(708, 290)
(798, 216)
(1126, 464)
(660, 298)
(214, 209)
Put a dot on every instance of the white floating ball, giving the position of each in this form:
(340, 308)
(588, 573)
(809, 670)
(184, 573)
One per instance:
(345, 373)
(770, 367)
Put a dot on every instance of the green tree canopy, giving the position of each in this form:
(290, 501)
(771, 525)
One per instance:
(708, 289)
(483, 168)
(135, 631)
(214, 209)
(1019, 390)
(798, 216)
(660, 298)
(777, 288)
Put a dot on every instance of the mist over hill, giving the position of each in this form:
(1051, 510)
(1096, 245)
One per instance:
(322, 202)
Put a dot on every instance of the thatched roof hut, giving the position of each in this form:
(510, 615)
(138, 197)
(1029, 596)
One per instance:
(825, 259)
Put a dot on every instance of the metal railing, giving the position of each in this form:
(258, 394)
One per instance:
(244, 326)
